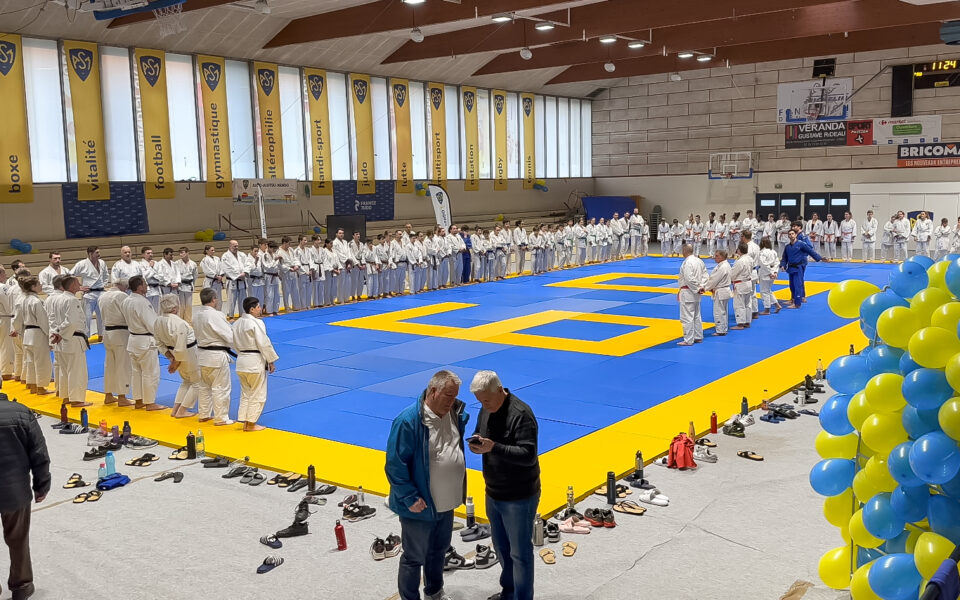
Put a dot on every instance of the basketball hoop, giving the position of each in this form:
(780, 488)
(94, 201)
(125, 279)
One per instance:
(170, 19)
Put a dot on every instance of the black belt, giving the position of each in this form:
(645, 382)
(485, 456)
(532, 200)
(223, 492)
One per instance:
(256, 277)
(249, 352)
(186, 281)
(152, 285)
(115, 327)
(192, 344)
(31, 327)
(220, 348)
(95, 290)
(401, 261)
(6, 316)
(146, 334)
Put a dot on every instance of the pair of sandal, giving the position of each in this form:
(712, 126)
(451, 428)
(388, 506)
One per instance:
(87, 497)
(550, 557)
(180, 453)
(654, 497)
(176, 476)
(600, 517)
(75, 481)
(750, 455)
(288, 480)
(144, 461)
(629, 507)
(220, 462)
(622, 491)
(248, 475)
(574, 524)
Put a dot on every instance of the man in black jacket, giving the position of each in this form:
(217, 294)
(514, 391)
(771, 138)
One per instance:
(22, 451)
(506, 436)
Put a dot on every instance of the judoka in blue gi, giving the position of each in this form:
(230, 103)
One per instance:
(794, 261)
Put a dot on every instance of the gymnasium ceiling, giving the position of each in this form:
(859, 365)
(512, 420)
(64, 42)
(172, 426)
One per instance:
(463, 44)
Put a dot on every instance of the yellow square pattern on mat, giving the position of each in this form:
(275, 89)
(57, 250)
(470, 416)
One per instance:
(598, 282)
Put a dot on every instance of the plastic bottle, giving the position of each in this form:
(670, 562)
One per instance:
(191, 446)
(570, 499)
(852, 351)
(744, 407)
(764, 403)
(471, 518)
(692, 431)
(537, 531)
(638, 474)
(111, 463)
(360, 499)
(611, 488)
(341, 536)
(84, 419)
(127, 432)
(713, 422)
(63, 413)
(820, 372)
(103, 427)
(201, 445)
(311, 478)
(115, 432)
(102, 471)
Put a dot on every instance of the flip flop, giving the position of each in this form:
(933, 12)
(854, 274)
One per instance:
(623, 491)
(569, 548)
(288, 481)
(574, 525)
(297, 485)
(750, 455)
(548, 556)
(269, 563)
(248, 475)
(81, 498)
(323, 490)
(769, 418)
(94, 495)
(235, 472)
(629, 507)
(706, 442)
(278, 478)
(215, 463)
(807, 411)
(177, 477)
(164, 476)
(258, 478)
(179, 454)
(75, 481)
(601, 491)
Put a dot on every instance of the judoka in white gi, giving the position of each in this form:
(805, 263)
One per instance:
(93, 276)
(126, 268)
(289, 275)
(814, 232)
(692, 278)
(214, 352)
(7, 351)
(233, 265)
(848, 233)
(746, 236)
(271, 273)
(31, 319)
(889, 239)
(636, 232)
(941, 237)
(50, 271)
(901, 230)
(303, 255)
(141, 321)
(255, 278)
(148, 268)
(769, 268)
(359, 279)
(520, 243)
(740, 277)
(719, 284)
(830, 233)
(176, 341)
(344, 284)
(52, 305)
(922, 232)
(188, 276)
(868, 233)
(117, 366)
(169, 273)
(256, 357)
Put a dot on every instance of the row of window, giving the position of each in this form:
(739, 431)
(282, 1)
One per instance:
(562, 131)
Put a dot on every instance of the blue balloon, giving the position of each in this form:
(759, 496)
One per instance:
(875, 304)
(832, 476)
(943, 513)
(16, 241)
(898, 463)
(865, 555)
(924, 261)
(952, 487)
(219, 236)
(317, 230)
(910, 503)
(27, 248)
(919, 422)
(884, 359)
(848, 374)
(833, 415)
(909, 278)
(895, 577)
(897, 544)
(935, 458)
(926, 389)
(951, 257)
(907, 365)
(880, 519)
(952, 276)
(869, 332)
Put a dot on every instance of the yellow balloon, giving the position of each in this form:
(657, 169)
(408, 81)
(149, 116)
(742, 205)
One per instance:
(860, 535)
(931, 550)
(912, 539)
(952, 371)
(933, 347)
(836, 446)
(897, 324)
(845, 299)
(949, 418)
(838, 509)
(937, 273)
(883, 432)
(858, 410)
(946, 316)
(859, 586)
(879, 474)
(834, 568)
(883, 392)
(845, 533)
(928, 300)
(864, 487)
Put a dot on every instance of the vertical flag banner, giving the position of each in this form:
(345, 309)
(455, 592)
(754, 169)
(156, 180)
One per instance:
(157, 150)
(438, 134)
(271, 135)
(471, 177)
(500, 140)
(317, 99)
(529, 148)
(363, 123)
(16, 176)
(400, 88)
(213, 92)
(83, 73)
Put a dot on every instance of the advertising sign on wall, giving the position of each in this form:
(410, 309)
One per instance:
(828, 133)
(816, 100)
(907, 130)
(929, 155)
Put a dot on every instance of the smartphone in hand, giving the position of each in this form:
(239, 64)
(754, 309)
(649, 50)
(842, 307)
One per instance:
(474, 439)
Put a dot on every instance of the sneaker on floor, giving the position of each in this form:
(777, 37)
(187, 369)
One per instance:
(138, 441)
(97, 439)
(747, 420)
(480, 531)
(453, 561)
(377, 550)
(703, 454)
(486, 557)
(392, 545)
(552, 532)
(358, 512)
(441, 595)
(297, 529)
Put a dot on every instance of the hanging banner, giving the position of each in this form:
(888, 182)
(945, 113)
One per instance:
(213, 92)
(16, 176)
(441, 205)
(529, 148)
(922, 129)
(271, 135)
(152, 74)
(363, 124)
(438, 133)
(945, 154)
(500, 140)
(83, 73)
(401, 122)
(815, 100)
(828, 133)
(317, 100)
(471, 177)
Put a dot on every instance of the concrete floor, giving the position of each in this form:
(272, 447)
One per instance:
(735, 530)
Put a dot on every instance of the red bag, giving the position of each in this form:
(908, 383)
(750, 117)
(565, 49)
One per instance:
(681, 453)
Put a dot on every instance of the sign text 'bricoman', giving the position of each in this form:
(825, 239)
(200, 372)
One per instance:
(818, 134)
(929, 155)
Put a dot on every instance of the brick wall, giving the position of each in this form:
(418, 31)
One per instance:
(649, 125)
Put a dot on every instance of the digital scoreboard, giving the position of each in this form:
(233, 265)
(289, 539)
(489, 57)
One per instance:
(936, 74)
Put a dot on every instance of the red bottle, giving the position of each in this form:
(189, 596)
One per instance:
(63, 413)
(341, 536)
(713, 422)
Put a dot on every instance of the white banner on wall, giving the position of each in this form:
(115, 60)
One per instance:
(275, 191)
(924, 129)
(441, 205)
(816, 100)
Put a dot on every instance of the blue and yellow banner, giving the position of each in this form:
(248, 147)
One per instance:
(400, 90)
(438, 134)
(529, 143)
(471, 176)
(363, 125)
(83, 73)
(500, 140)
(216, 131)
(318, 101)
(157, 144)
(271, 134)
(16, 176)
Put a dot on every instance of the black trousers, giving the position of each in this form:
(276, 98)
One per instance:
(16, 534)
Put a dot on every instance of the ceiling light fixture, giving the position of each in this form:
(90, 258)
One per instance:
(525, 53)
(704, 58)
(502, 17)
(416, 35)
(262, 7)
(608, 39)
(609, 67)
(636, 44)
(544, 26)
(413, 1)
(685, 54)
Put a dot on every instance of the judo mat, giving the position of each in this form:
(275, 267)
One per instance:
(592, 350)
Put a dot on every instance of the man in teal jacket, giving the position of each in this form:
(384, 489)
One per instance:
(428, 479)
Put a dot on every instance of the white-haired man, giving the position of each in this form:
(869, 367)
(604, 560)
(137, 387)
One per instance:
(126, 268)
(176, 341)
(506, 436)
(116, 361)
(141, 319)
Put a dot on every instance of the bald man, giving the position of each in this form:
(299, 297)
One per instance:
(126, 268)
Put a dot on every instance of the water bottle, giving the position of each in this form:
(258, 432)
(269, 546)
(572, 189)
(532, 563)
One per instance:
(611, 488)
(537, 531)
(692, 431)
(341, 536)
(360, 498)
(852, 351)
(103, 427)
(126, 431)
(201, 445)
(311, 478)
(63, 413)
(713, 422)
(111, 463)
(84, 419)
(471, 518)
(638, 473)
(570, 498)
(764, 403)
(102, 471)
(744, 407)
(191, 446)
(820, 372)
(115, 431)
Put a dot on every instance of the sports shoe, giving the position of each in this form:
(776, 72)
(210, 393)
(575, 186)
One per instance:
(358, 512)
(475, 533)
(453, 561)
(747, 420)
(302, 513)
(734, 430)
(608, 520)
(392, 545)
(486, 557)
(703, 454)
(96, 439)
(594, 516)
(377, 549)
(552, 532)
(138, 441)
(297, 529)
(441, 595)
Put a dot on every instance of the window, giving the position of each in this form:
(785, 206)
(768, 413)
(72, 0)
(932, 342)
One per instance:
(182, 111)
(339, 136)
(484, 141)
(513, 132)
(418, 129)
(382, 164)
(575, 141)
(586, 150)
(563, 137)
(540, 134)
(451, 104)
(550, 116)
(118, 129)
(243, 156)
(291, 123)
(41, 70)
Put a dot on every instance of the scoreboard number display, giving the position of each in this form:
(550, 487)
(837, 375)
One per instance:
(936, 74)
